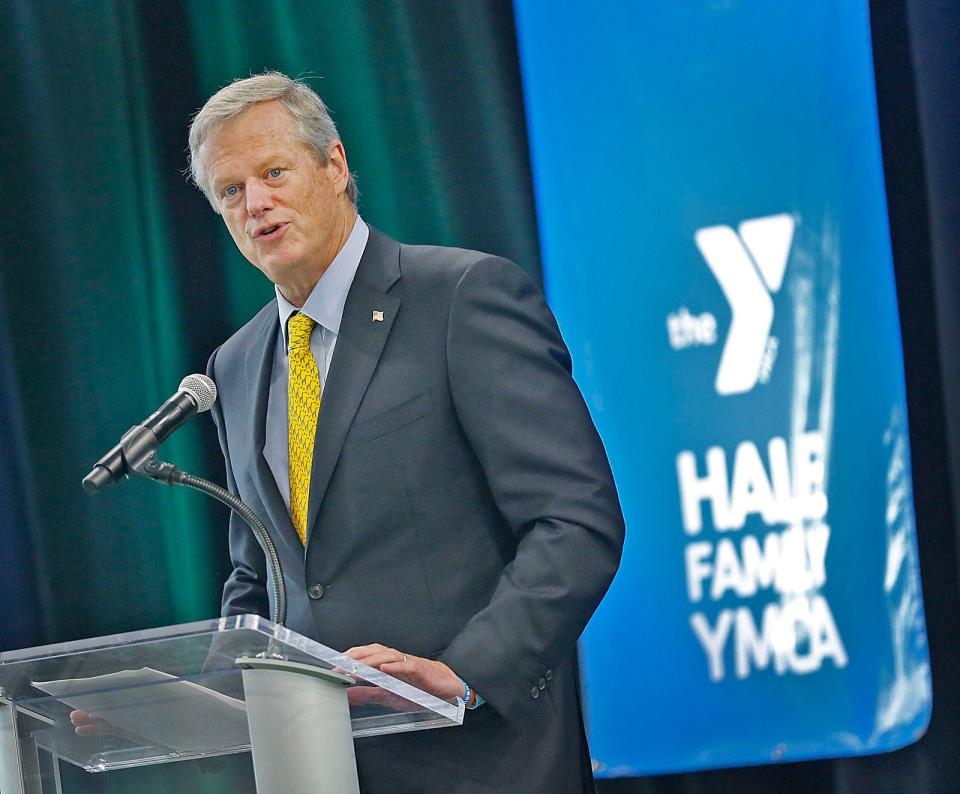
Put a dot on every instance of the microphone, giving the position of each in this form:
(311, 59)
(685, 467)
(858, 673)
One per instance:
(197, 393)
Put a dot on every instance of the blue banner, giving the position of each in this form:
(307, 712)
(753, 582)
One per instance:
(714, 235)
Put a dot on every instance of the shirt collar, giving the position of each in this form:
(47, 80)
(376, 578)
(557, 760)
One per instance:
(325, 303)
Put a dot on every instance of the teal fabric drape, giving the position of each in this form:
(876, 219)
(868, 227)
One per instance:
(91, 306)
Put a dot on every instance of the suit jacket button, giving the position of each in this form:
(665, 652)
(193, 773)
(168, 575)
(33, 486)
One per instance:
(542, 684)
(548, 675)
(315, 592)
(535, 692)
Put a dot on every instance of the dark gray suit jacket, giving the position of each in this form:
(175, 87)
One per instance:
(461, 509)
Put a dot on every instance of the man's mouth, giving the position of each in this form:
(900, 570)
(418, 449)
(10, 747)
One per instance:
(268, 232)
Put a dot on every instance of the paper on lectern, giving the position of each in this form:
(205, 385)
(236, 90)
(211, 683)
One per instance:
(157, 707)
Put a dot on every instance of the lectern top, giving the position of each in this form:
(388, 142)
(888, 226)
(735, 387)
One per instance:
(176, 692)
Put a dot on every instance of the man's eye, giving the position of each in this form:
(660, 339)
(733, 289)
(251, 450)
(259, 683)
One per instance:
(274, 173)
(231, 191)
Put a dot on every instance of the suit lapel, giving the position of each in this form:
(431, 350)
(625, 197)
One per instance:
(259, 367)
(368, 316)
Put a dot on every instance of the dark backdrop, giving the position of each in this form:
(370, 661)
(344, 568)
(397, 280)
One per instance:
(116, 279)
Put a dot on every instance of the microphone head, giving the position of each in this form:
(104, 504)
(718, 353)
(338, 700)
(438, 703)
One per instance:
(202, 389)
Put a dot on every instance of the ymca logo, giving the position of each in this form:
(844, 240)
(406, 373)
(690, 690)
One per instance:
(749, 266)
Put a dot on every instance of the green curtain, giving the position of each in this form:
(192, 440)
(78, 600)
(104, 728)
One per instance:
(91, 305)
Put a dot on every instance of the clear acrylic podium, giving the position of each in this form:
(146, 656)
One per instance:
(196, 691)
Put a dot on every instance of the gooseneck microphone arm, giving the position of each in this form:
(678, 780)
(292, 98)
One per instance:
(137, 454)
(139, 448)
(252, 520)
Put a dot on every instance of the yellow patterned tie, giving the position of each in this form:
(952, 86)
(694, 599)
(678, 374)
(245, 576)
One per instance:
(303, 404)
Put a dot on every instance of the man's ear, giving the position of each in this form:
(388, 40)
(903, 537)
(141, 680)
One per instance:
(337, 162)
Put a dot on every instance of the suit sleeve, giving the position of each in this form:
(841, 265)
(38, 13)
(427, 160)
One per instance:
(510, 377)
(245, 591)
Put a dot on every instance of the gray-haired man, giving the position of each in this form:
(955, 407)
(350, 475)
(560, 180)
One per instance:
(404, 419)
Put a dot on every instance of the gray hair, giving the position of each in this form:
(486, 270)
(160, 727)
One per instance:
(311, 120)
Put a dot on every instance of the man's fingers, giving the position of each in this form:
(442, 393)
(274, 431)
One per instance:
(364, 650)
(425, 674)
(388, 656)
(92, 729)
(376, 654)
(410, 671)
(82, 718)
(412, 666)
(86, 724)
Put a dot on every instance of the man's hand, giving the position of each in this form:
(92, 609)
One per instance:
(87, 724)
(426, 674)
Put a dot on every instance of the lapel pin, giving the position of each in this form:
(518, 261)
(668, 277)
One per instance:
(377, 316)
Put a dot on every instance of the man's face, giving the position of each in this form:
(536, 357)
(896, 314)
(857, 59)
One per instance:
(287, 214)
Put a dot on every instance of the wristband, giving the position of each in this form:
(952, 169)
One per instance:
(470, 698)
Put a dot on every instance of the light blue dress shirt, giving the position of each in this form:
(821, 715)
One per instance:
(324, 306)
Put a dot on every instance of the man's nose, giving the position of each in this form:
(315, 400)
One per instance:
(258, 197)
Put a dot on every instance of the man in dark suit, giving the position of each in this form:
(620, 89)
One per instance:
(404, 419)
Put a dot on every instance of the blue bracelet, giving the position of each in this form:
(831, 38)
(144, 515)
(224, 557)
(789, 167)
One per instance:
(467, 693)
